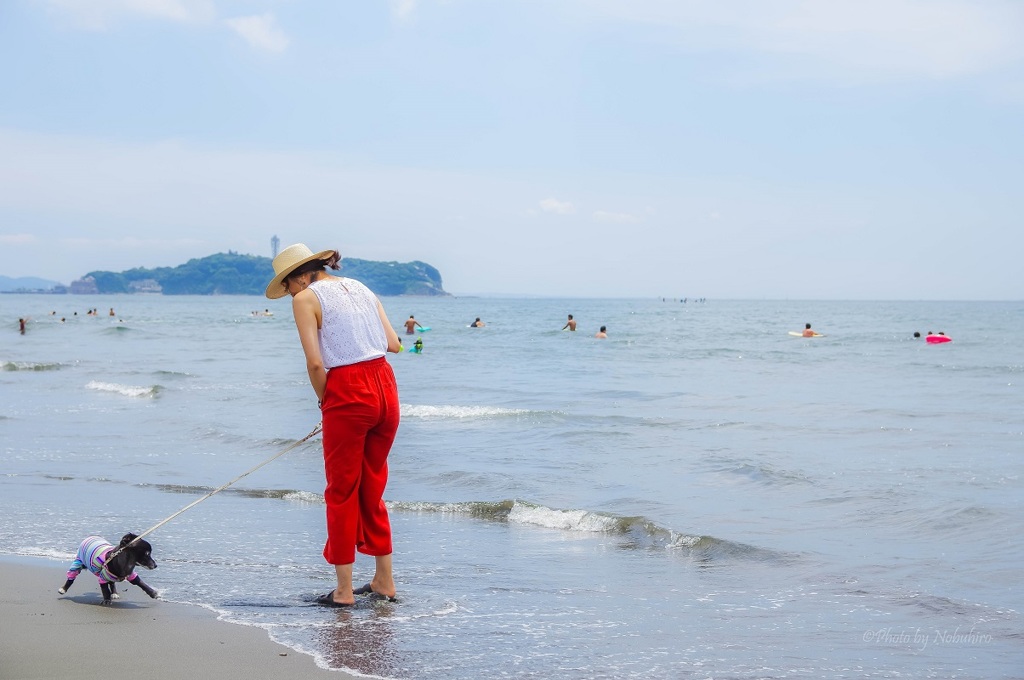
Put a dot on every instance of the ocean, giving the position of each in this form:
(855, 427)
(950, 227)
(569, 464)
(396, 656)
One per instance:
(700, 495)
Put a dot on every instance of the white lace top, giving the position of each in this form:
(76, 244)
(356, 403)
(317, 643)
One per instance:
(351, 330)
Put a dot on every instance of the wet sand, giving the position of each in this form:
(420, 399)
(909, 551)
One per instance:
(47, 635)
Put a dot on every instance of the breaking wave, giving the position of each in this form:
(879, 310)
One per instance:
(631, 532)
(125, 390)
(459, 412)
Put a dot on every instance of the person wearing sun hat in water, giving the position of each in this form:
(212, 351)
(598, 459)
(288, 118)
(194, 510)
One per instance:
(345, 334)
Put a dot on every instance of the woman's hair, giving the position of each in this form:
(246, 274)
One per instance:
(315, 266)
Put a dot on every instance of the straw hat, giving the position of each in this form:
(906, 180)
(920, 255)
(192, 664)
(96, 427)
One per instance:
(287, 261)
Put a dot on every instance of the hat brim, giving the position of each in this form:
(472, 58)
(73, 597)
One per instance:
(276, 290)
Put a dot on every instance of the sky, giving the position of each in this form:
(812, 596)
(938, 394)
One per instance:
(750, 149)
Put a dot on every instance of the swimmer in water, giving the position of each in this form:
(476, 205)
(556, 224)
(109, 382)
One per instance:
(411, 324)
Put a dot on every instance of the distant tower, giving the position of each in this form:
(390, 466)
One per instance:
(275, 243)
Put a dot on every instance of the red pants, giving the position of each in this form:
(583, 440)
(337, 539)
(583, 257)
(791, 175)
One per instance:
(360, 419)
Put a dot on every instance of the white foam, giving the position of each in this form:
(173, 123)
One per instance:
(568, 520)
(304, 497)
(683, 541)
(126, 390)
(423, 506)
(457, 412)
(49, 553)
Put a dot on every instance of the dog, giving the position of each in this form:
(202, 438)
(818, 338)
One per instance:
(94, 555)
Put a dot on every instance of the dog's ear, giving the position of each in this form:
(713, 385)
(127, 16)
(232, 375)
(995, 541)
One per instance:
(126, 539)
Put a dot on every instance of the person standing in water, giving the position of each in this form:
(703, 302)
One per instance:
(602, 333)
(411, 324)
(570, 324)
(345, 333)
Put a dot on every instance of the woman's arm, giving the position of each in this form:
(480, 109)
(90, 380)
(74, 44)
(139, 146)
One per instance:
(306, 310)
(393, 344)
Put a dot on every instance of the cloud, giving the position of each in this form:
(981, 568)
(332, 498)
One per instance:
(402, 9)
(99, 14)
(618, 218)
(877, 39)
(16, 239)
(260, 32)
(553, 205)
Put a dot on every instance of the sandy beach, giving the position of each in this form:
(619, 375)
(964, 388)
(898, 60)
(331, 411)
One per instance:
(46, 635)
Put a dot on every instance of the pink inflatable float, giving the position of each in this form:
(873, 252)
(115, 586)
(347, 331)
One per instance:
(937, 339)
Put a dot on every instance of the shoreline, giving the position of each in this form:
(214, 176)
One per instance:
(46, 635)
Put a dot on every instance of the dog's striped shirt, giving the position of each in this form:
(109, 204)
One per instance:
(92, 555)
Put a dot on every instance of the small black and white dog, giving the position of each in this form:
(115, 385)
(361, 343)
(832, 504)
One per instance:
(94, 555)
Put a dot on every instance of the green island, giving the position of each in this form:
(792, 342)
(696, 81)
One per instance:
(236, 274)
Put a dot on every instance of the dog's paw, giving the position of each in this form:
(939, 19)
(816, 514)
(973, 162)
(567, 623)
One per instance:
(106, 602)
(115, 596)
(154, 594)
(61, 591)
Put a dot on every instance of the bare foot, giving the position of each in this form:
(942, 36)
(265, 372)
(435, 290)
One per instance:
(381, 587)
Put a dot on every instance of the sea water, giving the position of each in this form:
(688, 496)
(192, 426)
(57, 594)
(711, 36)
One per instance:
(698, 495)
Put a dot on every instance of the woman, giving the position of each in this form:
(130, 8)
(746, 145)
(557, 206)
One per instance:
(344, 334)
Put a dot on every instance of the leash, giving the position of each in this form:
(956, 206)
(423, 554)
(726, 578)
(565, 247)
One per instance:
(315, 430)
